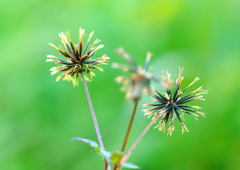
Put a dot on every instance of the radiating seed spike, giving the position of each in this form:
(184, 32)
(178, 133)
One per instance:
(182, 117)
(63, 38)
(54, 68)
(90, 35)
(202, 114)
(195, 116)
(59, 77)
(54, 46)
(98, 47)
(148, 57)
(54, 72)
(50, 60)
(119, 79)
(184, 128)
(81, 33)
(51, 56)
(145, 105)
(196, 107)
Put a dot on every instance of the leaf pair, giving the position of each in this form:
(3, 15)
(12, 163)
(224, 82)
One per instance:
(110, 157)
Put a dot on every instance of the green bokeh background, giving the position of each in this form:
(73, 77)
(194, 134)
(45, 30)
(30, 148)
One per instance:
(38, 116)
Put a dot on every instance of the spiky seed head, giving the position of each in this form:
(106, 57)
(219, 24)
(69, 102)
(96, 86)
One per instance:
(138, 79)
(78, 58)
(173, 103)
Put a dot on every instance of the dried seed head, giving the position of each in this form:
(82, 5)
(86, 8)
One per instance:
(78, 58)
(173, 104)
(139, 78)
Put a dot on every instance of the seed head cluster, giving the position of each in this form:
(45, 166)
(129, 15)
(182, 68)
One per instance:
(138, 77)
(78, 58)
(174, 103)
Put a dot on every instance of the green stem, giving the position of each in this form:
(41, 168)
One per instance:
(93, 114)
(94, 118)
(125, 158)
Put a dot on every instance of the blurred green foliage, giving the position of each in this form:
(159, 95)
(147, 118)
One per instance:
(38, 116)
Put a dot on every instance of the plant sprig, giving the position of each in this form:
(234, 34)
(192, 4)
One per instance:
(168, 105)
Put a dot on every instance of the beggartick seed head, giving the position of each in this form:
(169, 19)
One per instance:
(174, 103)
(139, 78)
(78, 58)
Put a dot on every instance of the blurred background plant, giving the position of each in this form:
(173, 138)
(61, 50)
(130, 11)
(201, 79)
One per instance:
(38, 117)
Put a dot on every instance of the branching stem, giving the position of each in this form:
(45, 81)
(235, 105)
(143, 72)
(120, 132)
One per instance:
(116, 167)
(125, 158)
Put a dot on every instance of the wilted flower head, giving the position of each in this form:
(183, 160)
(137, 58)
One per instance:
(173, 104)
(139, 77)
(78, 58)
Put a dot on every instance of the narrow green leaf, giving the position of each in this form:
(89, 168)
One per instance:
(91, 143)
(105, 155)
(130, 165)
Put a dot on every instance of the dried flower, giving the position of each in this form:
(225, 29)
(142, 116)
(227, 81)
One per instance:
(139, 77)
(173, 104)
(78, 59)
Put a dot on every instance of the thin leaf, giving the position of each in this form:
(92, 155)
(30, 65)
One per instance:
(104, 155)
(130, 165)
(90, 142)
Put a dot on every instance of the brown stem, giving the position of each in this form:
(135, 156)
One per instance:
(116, 167)
(130, 125)
(106, 166)
(125, 158)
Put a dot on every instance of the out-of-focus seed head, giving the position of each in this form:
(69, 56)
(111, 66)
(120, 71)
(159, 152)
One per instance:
(173, 103)
(78, 58)
(138, 78)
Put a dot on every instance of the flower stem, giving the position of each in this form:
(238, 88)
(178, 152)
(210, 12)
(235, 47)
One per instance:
(130, 125)
(125, 158)
(116, 167)
(93, 114)
(94, 119)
